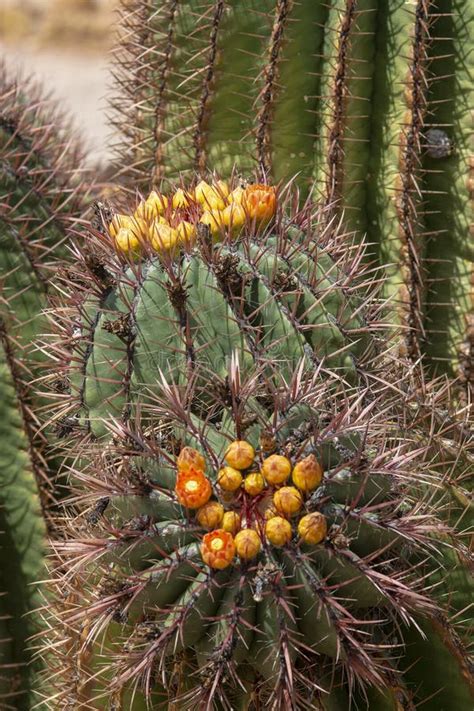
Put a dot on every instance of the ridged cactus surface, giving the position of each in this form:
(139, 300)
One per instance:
(367, 102)
(257, 520)
(37, 205)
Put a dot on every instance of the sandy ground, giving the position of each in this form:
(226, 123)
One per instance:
(80, 82)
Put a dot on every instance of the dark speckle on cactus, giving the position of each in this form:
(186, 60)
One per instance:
(438, 144)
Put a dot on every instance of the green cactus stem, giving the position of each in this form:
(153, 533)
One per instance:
(38, 205)
(271, 339)
(349, 96)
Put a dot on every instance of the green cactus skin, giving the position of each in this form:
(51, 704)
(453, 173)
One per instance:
(38, 204)
(340, 94)
(227, 343)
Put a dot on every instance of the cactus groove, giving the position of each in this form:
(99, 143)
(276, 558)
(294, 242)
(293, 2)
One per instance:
(342, 94)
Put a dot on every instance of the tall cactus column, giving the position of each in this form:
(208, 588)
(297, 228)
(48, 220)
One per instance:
(37, 205)
(351, 95)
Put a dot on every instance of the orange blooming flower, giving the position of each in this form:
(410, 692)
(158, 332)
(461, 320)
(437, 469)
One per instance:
(218, 549)
(193, 489)
(260, 202)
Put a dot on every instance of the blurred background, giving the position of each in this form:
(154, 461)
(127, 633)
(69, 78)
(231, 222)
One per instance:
(66, 45)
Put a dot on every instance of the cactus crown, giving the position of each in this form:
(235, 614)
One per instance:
(256, 522)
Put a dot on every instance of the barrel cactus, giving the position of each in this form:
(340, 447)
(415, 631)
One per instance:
(255, 522)
(39, 187)
(367, 102)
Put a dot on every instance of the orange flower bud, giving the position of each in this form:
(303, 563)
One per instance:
(278, 531)
(229, 479)
(312, 528)
(193, 489)
(231, 522)
(234, 217)
(240, 454)
(247, 543)
(190, 458)
(260, 202)
(218, 549)
(276, 469)
(307, 473)
(254, 484)
(210, 515)
(288, 500)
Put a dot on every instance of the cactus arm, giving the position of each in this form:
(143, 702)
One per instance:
(39, 186)
(297, 92)
(397, 119)
(343, 143)
(22, 544)
(448, 189)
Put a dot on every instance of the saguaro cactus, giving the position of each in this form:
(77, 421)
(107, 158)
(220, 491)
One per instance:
(257, 522)
(37, 205)
(367, 101)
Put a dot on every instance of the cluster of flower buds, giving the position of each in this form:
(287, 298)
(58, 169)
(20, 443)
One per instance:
(167, 222)
(254, 503)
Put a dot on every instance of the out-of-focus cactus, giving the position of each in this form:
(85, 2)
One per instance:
(258, 521)
(38, 203)
(367, 101)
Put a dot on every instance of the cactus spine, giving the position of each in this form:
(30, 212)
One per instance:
(256, 346)
(354, 96)
(38, 203)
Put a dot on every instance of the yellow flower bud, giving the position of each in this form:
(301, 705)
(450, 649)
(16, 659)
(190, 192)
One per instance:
(210, 196)
(186, 232)
(240, 454)
(278, 531)
(180, 199)
(236, 196)
(213, 220)
(222, 187)
(231, 522)
(254, 484)
(247, 544)
(190, 458)
(269, 512)
(136, 225)
(312, 528)
(201, 191)
(288, 500)
(163, 237)
(151, 208)
(229, 478)
(126, 241)
(210, 515)
(307, 473)
(233, 217)
(276, 469)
